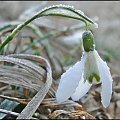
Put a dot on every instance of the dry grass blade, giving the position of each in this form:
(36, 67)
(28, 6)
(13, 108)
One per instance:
(22, 101)
(52, 103)
(12, 113)
(9, 112)
(81, 115)
(18, 76)
(27, 62)
(48, 102)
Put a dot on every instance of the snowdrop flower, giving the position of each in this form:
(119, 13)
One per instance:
(77, 80)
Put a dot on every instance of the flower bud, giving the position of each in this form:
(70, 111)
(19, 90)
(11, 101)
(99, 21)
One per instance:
(88, 41)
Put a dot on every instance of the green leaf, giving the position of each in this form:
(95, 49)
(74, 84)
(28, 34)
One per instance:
(66, 11)
(33, 27)
(55, 10)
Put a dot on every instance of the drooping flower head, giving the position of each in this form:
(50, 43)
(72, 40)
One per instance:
(77, 80)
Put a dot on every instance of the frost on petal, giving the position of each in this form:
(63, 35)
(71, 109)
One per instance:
(69, 81)
(106, 79)
(81, 90)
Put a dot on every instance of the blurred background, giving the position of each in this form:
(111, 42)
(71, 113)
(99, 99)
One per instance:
(60, 56)
(108, 13)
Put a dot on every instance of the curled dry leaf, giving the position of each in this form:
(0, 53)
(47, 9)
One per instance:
(29, 75)
(81, 115)
(57, 113)
(73, 115)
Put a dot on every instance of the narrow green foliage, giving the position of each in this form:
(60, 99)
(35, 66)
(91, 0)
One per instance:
(55, 10)
(31, 26)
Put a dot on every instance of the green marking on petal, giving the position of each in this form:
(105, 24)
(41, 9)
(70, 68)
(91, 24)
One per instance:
(90, 78)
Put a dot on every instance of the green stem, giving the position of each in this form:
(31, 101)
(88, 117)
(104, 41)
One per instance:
(86, 26)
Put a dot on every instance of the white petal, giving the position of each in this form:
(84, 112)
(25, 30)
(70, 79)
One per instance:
(69, 81)
(106, 79)
(81, 90)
